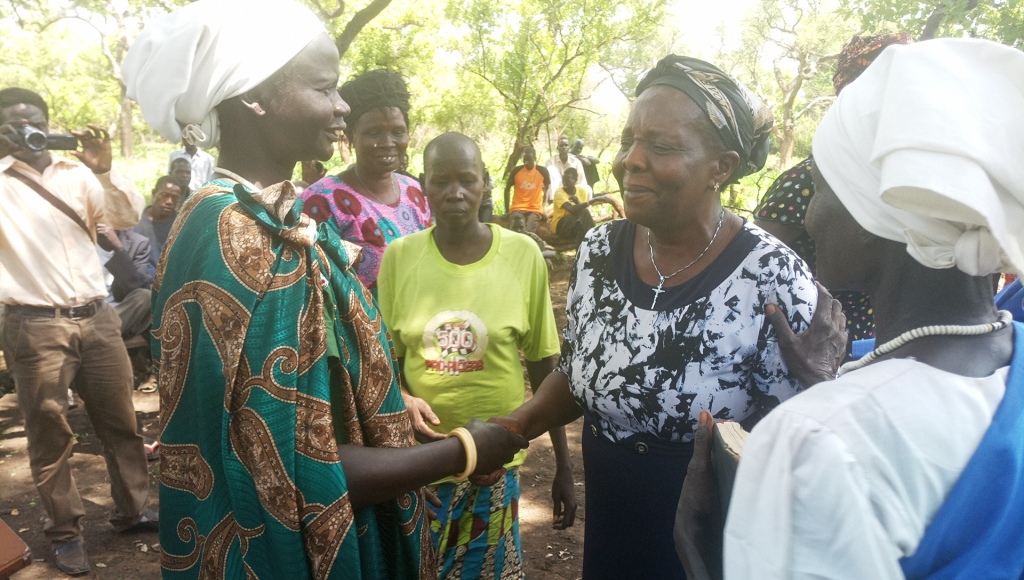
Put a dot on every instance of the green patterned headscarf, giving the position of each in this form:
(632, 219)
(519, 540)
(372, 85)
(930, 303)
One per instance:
(739, 116)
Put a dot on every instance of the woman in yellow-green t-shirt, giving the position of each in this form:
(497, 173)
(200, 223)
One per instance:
(461, 299)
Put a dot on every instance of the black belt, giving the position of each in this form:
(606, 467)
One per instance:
(72, 312)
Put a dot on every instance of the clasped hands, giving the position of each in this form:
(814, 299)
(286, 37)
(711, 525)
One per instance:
(497, 440)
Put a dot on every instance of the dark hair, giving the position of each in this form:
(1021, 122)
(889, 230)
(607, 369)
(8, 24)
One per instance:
(529, 148)
(164, 179)
(371, 90)
(17, 96)
(571, 171)
(180, 160)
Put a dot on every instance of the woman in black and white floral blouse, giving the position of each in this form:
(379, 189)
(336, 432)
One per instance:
(667, 314)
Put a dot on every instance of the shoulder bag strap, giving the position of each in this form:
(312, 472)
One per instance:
(52, 199)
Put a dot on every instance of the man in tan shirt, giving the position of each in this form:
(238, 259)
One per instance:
(57, 327)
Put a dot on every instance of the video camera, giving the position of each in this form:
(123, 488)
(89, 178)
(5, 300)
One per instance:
(31, 138)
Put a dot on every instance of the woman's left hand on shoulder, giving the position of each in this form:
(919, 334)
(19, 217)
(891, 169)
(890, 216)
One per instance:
(814, 355)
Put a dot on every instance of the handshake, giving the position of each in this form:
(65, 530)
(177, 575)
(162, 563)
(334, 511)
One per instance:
(488, 447)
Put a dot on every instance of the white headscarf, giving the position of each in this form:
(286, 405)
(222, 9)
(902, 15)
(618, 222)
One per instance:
(186, 63)
(927, 148)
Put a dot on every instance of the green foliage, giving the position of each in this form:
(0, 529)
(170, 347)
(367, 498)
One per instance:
(72, 78)
(538, 55)
(787, 57)
(999, 20)
(505, 73)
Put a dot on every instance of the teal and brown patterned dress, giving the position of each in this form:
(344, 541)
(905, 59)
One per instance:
(253, 407)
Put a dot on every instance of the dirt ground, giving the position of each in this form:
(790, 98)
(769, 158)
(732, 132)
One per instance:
(549, 554)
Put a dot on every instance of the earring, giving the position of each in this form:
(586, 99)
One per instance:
(256, 108)
(715, 188)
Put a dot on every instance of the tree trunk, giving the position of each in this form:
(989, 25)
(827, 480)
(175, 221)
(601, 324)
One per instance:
(526, 135)
(125, 129)
(786, 144)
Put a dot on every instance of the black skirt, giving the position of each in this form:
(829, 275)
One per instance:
(632, 491)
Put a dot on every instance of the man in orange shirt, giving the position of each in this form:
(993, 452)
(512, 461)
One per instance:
(530, 181)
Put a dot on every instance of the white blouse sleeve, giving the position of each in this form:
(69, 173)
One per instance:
(801, 508)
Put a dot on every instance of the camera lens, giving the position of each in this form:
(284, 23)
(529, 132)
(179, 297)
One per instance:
(34, 138)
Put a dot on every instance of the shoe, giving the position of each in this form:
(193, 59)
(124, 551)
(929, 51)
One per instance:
(149, 522)
(71, 558)
(71, 400)
(152, 447)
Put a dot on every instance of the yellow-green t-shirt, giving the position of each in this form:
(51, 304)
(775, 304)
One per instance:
(460, 328)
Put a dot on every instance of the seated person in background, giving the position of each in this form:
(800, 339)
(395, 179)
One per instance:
(181, 172)
(157, 219)
(125, 256)
(571, 217)
(590, 171)
(486, 211)
(557, 165)
(910, 464)
(200, 165)
(530, 181)
(129, 276)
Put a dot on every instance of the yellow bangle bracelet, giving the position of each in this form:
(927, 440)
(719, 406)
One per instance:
(469, 445)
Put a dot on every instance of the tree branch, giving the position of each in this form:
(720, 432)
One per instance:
(357, 23)
(814, 103)
(329, 14)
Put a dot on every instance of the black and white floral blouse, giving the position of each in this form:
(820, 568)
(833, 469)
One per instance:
(708, 345)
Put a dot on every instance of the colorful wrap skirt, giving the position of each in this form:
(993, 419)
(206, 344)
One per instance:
(477, 530)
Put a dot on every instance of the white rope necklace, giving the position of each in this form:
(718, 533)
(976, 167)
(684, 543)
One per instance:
(661, 278)
(237, 178)
(1004, 320)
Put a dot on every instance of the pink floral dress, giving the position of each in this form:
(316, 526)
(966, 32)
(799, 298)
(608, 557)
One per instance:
(368, 223)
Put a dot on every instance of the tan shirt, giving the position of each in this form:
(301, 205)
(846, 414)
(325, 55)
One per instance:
(46, 259)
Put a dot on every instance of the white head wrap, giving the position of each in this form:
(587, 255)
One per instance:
(186, 63)
(927, 148)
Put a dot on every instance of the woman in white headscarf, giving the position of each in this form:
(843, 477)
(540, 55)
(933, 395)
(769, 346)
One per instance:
(911, 463)
(286, 449)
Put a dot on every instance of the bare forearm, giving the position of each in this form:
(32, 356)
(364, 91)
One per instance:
(576, 208)
(539, 371)
(552, 406)
(560, 447)
(122, 205)
(375, 475)
(693, 560)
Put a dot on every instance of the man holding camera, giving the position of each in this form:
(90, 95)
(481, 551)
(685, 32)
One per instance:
(57, 326)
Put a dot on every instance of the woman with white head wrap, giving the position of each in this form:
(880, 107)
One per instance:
(911, 463)
(286, 449)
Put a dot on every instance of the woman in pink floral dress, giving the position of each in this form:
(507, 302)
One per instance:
(370, 202)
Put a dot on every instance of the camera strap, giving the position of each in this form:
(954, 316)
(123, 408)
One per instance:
(52, 199)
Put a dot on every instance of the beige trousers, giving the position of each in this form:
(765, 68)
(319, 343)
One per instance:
(45, 355)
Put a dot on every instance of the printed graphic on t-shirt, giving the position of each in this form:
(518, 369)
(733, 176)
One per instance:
(454, 342)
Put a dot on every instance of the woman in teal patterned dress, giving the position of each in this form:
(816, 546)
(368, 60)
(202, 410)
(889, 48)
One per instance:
(287, 450)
